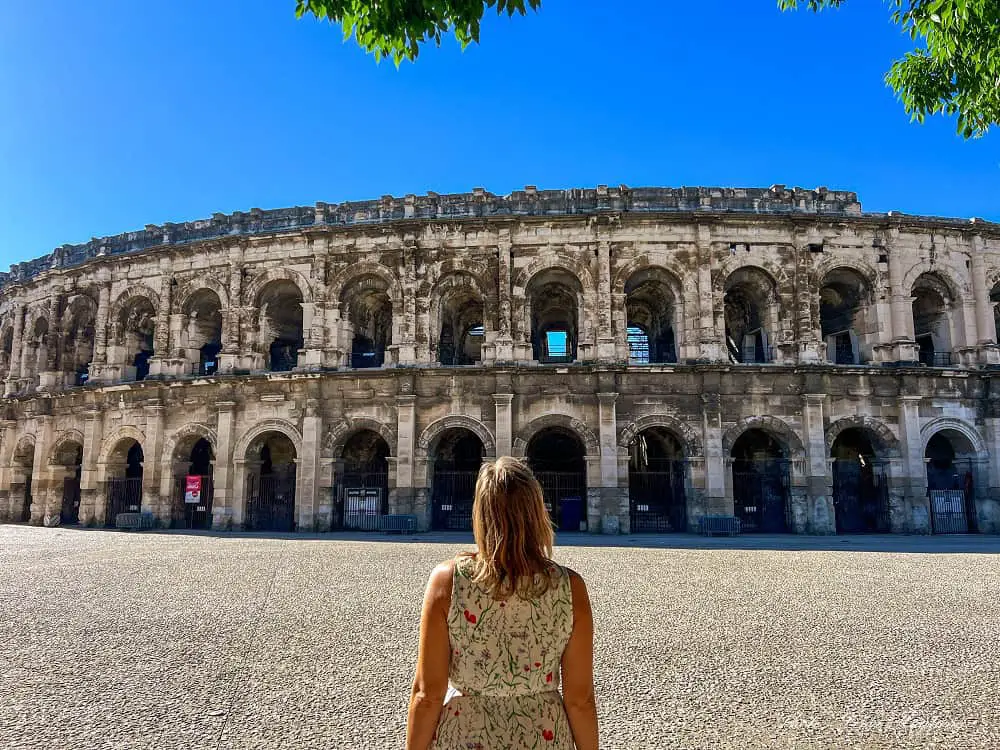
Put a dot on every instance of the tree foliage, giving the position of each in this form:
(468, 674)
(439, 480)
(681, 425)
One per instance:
(955, 69)
(397, 28)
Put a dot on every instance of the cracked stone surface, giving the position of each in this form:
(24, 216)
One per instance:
(166, 640)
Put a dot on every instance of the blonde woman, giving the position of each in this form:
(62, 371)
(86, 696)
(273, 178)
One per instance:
(505, 625)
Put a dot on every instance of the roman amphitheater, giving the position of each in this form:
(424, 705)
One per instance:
(658, 355)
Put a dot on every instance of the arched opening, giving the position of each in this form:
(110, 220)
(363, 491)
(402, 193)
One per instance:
(457, 458)
(124, 483)
(78, 346)
(364, 481)
(461, 336)
(280, 324)
(932, 305)
(556, 456)
(69, 456)
(552, 297)
(860, 486)
(843, 312)
(137, 325)
(952, 468)
(270, 483)
(749, 312)
(202, 334)
(369, 311)
(6, 351)
(38, 348)
(20, 486)
(193, 486)
(650, 311)
(761, 483)
(656, 482)
(995, 301)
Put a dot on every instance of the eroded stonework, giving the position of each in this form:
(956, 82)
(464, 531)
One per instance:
(658, 355)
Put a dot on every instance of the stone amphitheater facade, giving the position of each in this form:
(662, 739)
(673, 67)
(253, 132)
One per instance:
(658, 355)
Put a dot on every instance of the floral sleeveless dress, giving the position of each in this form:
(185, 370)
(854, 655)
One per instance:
(504, 673)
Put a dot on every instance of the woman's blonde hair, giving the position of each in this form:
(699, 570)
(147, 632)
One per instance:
(513, 531)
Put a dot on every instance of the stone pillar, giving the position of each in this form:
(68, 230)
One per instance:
(91, 503)
(161, 333)
(904, 348)
(821, 517)
(226, 511)
(709, 343)
(100, 363)
(314, 512)
(505, 340)
(717, 477)
(986, 338)
(231, 339)
(407, 349)
(8, 440)
(811, 348)
(48, 377)
(152, 465)
(614, 510)
(41, 472)
(504, 423)
(915, 479)
(605, 333)
(406, 415)
(14, 373)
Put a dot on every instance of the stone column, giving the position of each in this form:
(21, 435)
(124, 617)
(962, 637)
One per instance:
(811, 348)
(48, 377)
(505, 340)
(226, 511)
(504, 423)
(152, 465)
(614, 510)
(605, 334)
(915, 480)
(231, 322)
(8, 440)
(986, 339)
(161, 333)
(717, 500)
(41, 472)
(90, 499)
(821, 517)
(14, 373)
(904, 348)
(314, 512)
(100, 362)
(407, 349)
(406, 415)
(709, 347)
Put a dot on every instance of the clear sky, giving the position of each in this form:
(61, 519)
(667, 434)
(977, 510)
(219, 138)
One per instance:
(112, 120)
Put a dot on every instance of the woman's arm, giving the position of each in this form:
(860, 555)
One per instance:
(578, 670)
(431, 681)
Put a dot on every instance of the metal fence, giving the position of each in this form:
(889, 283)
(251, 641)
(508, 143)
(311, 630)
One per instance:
(363, 498)
(860, 497)
(452, 494)
(565, 495)
(761, 493)
(935, 359)
(69, 513)
(270, 502)
(124, 495)
(657, 499)
(197, 515)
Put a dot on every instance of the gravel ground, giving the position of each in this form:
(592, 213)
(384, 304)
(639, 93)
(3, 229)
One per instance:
(166, 640)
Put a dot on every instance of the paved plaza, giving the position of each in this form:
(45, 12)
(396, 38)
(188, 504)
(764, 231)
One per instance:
(170, 640)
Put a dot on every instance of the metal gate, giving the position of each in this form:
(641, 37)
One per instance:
(761, 495)
(270, 502)
(952, 494)
(452, 494)
(860, 497)
(565, 495)
(70, 511)
(187, 515)
(124, 496)
(364, 498)
(657, 500)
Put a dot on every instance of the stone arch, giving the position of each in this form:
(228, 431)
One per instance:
(343, 279)
(641, 263)
(64, 441)
(432, 433)
(771, 425)
(687, 435)
(456, 278)
(862, 268)
(561, 262)
(338, 435)
(193, 431)
(957, 288)
(251, 293)
(282, 426)
(130, 293)
(112, 441)
(193, 287)
(760, 266)
(591, 444)
(25, 446)
(885, 441)
(941, 424)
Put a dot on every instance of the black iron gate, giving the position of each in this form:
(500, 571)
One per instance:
(25, 512)
(363, 500)
(565, 498)
(761, 494)
(70, 511)
(452, 494)
(196, 515)
(951, 490)
(860, 497)
(657, 499)
(270, 502)
(124, 496)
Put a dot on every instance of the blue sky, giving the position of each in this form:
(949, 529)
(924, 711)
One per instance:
(110, 121)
